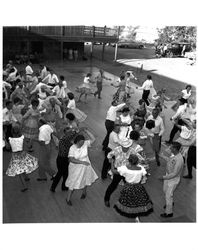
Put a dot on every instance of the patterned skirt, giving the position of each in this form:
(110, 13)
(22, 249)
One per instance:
(22, 162)
(134, 201)
(83, 90)
(31, 128)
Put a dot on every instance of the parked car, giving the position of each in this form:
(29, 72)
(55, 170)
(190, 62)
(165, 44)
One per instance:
(175, 48)
(130, 45)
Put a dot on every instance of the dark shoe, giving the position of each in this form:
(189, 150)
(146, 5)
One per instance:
(107, 203)
(27, 179)
(69, 203)
(65, 188)
(158, 163)
(99, 97)
(52, 190)
(165, 205)
(166, 215)
(187, 176)
(83, 196)
(52, 177)
(95, 94)
(41, 179)
(24, 189)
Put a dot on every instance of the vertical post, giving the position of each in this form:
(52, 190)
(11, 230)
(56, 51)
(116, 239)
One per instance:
(61, 44)
(116, 47)
(91, 50)
(103, 44)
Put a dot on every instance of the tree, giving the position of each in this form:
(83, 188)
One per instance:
(132, 32)
(178, 33)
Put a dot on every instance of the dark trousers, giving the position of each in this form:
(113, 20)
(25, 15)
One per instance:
(7, 129)
(106, 164)
(99, 90)
(109, 127)
(112, 187)
(145, 96)
(62, 165)
(174, 130)
(191, 159)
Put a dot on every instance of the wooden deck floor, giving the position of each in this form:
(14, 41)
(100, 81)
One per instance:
(39, 205)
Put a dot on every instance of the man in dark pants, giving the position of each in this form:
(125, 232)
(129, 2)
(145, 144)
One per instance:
(99, 80)
(146, 87)
(191, 161)
(118, 157)
(110, 120)
(178, 117)
(62, 160)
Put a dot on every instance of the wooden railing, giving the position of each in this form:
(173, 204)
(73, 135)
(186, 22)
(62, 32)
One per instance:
(62, 31)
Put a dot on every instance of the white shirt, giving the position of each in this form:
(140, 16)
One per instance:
(45, 132)
(38, 88)
(28, 70)
(64, 84)
(60, 92)
(8, 116)
(113, 140)
(180, 111)
(132, 176)
(12, 76)
(159, 125)
(111, 113)
(53, 79)
(185, 132)
(186, 95)
(71, 104)
(147, 85)
(16, 143)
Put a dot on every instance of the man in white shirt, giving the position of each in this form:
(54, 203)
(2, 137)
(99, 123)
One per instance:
(44, 138)
(146, 87)
(8, 120)
(129, 83)
(114, 141)
(110, 120)
(178, 115)
(28, 69)
(157, 131)
(51, 79)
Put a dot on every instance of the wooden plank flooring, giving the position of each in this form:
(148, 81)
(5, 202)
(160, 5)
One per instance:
(39, 205)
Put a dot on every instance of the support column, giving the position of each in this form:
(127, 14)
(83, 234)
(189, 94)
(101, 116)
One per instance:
(116, 51)
(103, 49)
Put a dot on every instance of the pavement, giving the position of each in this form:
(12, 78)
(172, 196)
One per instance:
(174, 68)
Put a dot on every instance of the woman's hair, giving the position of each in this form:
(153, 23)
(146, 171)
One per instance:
(149, 77)
(188, 86)
(35, 102)
(79, 138)
(88, 75)
(122, 77)
(62, 78)
(125, 109)
(134, 135)
(141, 101)
(158, 106)
(42, 121)
(70, 96)
(16, 100)
(70, 116)
(16, 131)
(133, 159)
(150, 124)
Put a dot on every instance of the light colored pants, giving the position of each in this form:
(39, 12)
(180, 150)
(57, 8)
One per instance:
(169, 188)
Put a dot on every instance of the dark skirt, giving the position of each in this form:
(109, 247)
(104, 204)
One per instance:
(134, 201)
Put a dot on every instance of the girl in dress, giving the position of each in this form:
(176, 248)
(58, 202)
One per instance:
(125, 123)
(85, 88)
(30, 125)
(81, 173)
(120, 95)
(21, 163)
(71, 108)
(134, 200)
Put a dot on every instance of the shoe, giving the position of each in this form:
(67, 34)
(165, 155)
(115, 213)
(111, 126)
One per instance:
(69, 203)
(158, 163)
(27, 179)
(24, 189)
(83, 196)
(41, 179)
(187, 176)
(52, 190)
(65, 188)
(166, 215)
(165, 205)
(52, 177)
(94, 94)
(107, 203)
(99, 97)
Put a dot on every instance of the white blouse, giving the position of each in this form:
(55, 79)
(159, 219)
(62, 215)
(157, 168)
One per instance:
(132, 176)
(71, 104)
(186, 95)
(16, 143)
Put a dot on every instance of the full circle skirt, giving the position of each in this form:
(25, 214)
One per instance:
(134, 201)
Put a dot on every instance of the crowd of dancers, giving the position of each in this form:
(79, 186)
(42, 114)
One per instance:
(40, 111)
